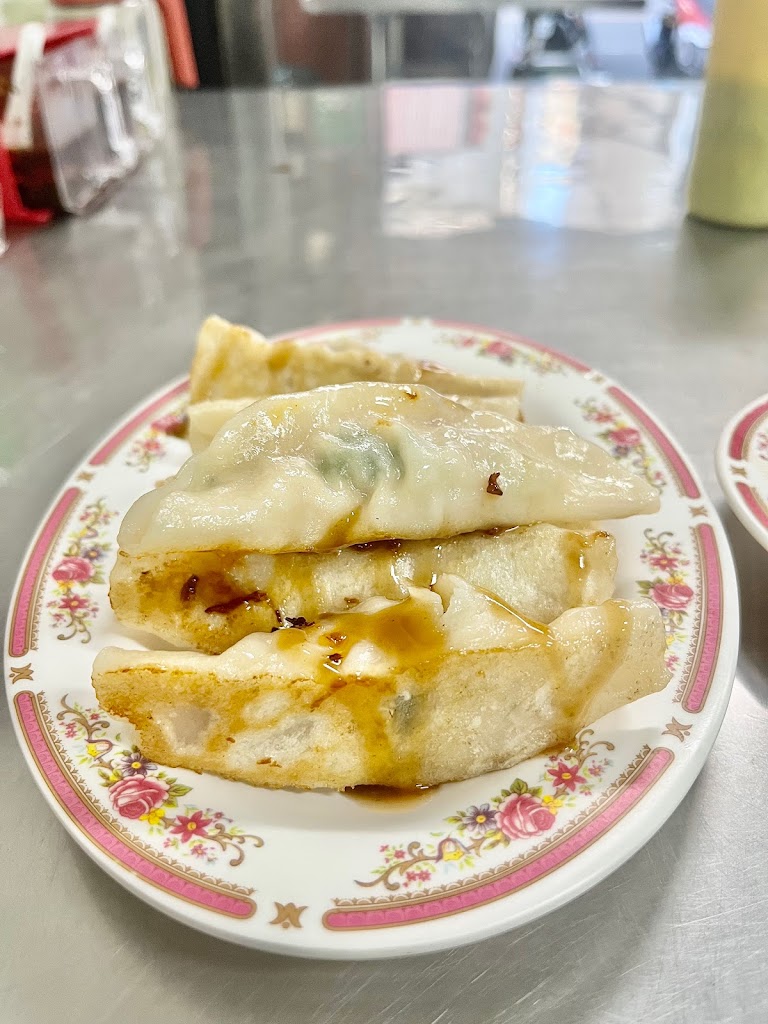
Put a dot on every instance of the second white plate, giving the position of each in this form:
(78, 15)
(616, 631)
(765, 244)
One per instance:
(742, 467)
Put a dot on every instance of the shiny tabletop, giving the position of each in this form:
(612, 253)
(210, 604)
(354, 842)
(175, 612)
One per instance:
(555, 211)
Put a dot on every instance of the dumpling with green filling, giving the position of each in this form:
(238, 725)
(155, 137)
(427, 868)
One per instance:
(355, 463)
(207, 418)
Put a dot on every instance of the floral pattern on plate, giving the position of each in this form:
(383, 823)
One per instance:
(517, 812)
(140, 791)
(624, 441)
(506, 352)
(82, 566)
(151, 444)
(668, 588)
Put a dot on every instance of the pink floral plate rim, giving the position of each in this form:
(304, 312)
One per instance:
(742, 467)
(668, 773)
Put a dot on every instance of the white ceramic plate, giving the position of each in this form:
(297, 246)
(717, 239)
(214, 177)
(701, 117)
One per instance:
(320, 874)
(742, 467)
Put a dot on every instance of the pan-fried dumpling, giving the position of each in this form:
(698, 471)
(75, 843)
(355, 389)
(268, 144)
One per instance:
(445, 685)
(209, 600)
(207, 418)
(236, 362)
(361, 462)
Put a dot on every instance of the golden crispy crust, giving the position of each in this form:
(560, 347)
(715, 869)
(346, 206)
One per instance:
(540, 570)
(234, 362)
(455, 714)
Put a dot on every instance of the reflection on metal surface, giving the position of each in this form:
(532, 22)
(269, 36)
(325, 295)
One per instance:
(546, 133)
(134, 249)
(318, 248)
(338, 120)
(442, 147)
(458, 159)
(598, 159)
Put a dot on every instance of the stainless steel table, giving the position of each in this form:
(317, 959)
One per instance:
(554, 211)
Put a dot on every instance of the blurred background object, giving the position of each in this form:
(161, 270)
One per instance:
(148, 45)
(64, 131)
(729, 177)
(222, 43)
(133, 36)
(489, 39)
(679, 36)
(139, 22)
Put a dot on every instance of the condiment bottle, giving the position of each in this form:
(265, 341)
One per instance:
(729, 175)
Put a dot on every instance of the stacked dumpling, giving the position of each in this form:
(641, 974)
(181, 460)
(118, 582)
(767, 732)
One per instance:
(386, 578)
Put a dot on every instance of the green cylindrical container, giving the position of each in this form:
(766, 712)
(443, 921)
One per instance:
(729, 175)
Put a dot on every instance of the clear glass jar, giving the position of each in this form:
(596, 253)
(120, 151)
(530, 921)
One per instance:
(132, 33)
(63, 124)
(126, 30)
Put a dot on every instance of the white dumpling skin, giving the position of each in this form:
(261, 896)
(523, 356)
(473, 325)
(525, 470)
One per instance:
(354, 463)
